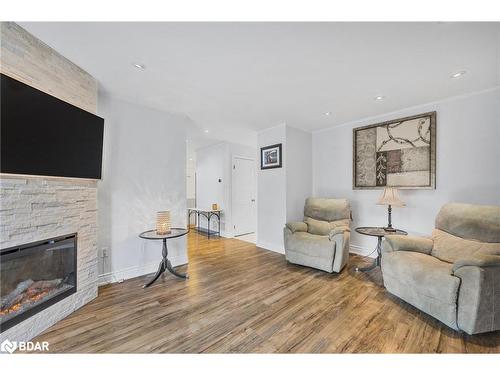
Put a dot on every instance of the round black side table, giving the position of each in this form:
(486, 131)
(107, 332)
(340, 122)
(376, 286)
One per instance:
(165, 263)
(379, 233)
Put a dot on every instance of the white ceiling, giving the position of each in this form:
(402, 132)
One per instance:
(237, 78)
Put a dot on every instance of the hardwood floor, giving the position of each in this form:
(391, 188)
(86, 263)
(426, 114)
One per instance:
(240, 298)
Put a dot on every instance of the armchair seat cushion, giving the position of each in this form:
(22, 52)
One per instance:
(423, 281)
(311, 245)
(423, 274)
(311, 250)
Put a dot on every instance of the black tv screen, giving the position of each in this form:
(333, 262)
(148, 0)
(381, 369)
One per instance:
(45, 136)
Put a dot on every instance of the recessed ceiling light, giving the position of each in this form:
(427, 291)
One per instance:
(139, 66)
(190, 159)
(328, 113)
(380, 97)
(458, 74)
(206, 130)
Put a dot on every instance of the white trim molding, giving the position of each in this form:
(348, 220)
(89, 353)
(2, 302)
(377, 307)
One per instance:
(271, 247)
(363, 251)
(134, 271)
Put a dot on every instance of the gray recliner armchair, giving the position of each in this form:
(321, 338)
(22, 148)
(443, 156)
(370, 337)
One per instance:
(322, 240)
(454, 275)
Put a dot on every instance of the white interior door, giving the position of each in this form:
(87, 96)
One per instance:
(243, 194)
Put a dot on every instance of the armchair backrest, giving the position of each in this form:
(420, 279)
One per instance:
(470, 221)
(327, 209)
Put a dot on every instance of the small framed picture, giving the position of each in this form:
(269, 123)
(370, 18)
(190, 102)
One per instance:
(270, 157)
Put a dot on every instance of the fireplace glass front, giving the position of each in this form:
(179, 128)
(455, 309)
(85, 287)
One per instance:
(35, 276)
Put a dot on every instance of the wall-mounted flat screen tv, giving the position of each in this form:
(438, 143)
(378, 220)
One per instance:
(45, 136)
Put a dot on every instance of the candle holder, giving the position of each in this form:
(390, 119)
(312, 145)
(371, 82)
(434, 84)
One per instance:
(163, 222)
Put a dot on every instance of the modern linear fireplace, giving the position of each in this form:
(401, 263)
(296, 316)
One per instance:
(34, 276)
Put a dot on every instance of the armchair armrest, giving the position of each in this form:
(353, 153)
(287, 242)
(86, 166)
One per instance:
(340, 238)
(408, 243)
(338, 230)
(297, 226)
(478, 260)
(478, 299)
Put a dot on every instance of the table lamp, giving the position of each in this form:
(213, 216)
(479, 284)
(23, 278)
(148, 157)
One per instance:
(390, 197)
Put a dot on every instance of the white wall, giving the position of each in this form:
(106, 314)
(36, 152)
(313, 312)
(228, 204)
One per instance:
(282, 191)
(271, 193)
(468, 165)
(213, 163)
(144, 171)
(191, 184)
(298, 172)
(191, 179)
(211, 166)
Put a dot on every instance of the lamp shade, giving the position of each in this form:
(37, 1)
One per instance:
(163, 222)
(390, 196)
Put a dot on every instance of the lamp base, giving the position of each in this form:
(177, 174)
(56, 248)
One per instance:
(389, 227)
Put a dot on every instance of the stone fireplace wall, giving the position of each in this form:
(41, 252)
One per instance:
(37, 208)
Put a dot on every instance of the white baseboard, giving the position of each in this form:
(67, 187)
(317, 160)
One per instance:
(363, 251)
(144, 269)
(134, 271)
(271, 247)
(226, 234)
(223, 233)
(355, 249)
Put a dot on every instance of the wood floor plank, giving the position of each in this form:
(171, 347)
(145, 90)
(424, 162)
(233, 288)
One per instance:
(240, 298)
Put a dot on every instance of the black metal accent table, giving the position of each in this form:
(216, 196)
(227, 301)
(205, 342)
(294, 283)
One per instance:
(165, 263)
(379, 233)
(208, 214)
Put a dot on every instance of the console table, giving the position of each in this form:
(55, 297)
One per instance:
(208, 214)
(165, 263)
(379, 233)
